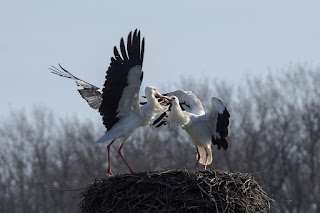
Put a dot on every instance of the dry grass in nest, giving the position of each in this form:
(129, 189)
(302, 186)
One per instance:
(175, 191)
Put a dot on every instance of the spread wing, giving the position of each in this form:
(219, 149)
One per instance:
(92, 94)
(188, 101)
(123, 80)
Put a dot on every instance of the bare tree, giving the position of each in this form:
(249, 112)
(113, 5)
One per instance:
(274, 134)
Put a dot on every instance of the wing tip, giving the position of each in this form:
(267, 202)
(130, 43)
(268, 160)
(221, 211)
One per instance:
(222, 142)
(134, 50)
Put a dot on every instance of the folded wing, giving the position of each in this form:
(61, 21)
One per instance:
(219, 114)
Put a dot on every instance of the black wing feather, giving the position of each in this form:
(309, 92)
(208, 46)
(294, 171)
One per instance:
(116, 78)
(142, 50)
(159, 118)
(123, 50)
(161, 123)
(222, 129)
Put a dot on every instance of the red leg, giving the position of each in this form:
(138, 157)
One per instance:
(119, 151)
(109, 165)
(205, 166)
(198, 158)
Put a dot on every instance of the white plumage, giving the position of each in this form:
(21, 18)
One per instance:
(132, 117)
(203, 128)
(118, 102)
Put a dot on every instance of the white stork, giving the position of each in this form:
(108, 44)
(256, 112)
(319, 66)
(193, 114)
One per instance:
(118, 101)
(187, 111)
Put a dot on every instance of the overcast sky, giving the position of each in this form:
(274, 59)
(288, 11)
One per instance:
(228, 40)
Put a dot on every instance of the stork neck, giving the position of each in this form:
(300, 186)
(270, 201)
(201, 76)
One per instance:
(151, 98)
(178, 117)
(148, 110)
(153, 102)
(176, 109)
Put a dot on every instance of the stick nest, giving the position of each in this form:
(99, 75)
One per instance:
(175, 191)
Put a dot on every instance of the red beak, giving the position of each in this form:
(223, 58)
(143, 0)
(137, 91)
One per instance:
(164, 98)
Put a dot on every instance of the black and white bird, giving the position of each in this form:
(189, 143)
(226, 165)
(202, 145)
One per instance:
(186, 110)
(118, 102)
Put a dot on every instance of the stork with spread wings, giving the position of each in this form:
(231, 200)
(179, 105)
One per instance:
(204, 128)
(118, 101)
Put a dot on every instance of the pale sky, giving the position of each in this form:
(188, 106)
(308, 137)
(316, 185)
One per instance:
(226, 40)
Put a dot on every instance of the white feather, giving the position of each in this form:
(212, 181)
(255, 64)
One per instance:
(219, 106)
(199, 125)
(129, 100)
(190, 99)
(131, 120)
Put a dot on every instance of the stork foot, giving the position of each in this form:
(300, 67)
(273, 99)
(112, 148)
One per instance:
(109, 173)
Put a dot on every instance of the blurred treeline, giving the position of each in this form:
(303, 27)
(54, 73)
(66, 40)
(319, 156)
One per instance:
(274, 135)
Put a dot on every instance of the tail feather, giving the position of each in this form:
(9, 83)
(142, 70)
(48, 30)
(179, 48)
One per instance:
(105, 138)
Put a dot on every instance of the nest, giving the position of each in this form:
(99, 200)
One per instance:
(175, 191)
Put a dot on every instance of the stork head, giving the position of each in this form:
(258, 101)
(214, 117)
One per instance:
(151, 92)
(174, 101)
